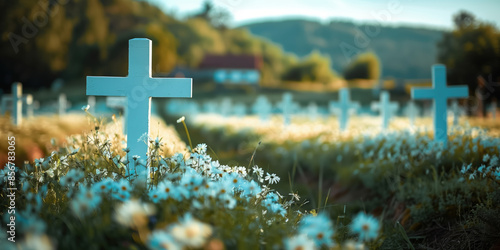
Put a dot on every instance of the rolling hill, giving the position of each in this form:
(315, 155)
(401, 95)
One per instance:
(405, 52)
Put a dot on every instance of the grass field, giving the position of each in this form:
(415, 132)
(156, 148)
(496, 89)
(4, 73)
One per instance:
(307, 185)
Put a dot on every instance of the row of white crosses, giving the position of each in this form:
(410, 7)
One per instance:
(14, 98)
(139, 87)
(17, 101)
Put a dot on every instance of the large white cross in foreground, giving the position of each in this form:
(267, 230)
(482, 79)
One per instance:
(139, 87)
(440, 94)
(344, 106)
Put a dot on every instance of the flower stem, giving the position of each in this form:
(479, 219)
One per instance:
(187, 133)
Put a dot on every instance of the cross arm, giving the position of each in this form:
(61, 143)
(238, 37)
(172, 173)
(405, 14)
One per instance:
(457, 91)
(422, 93)
(107, 86)
(170, 87)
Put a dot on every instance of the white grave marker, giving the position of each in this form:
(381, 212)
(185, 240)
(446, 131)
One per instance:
(387, 108)
(312, 111)
(240, 110)
(26, 99)
(62, 104)
(493, 110)
(286, 106)
(456, 111)
(210, 107)
(344, 107)
(192, 109)
(440, 93)
(17, 103)
(225, 107)
(412, 112)
(17, 99)
(92, 103)
(262, 107)
(139, 87)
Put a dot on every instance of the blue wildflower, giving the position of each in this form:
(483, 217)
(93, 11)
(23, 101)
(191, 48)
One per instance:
(319, 228)
(366, 226)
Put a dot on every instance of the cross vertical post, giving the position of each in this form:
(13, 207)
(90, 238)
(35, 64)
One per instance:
(17, 103)
(286, 106)
(62, 104)
(225, 108)
(411, 112)
(29, 105)
(262, 107)
(493, 110)
(457, 112)
(440, 93)
(343, 107)
(91, 101)
(387, 108)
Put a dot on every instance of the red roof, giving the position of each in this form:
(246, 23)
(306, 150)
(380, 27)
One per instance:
(231, 62)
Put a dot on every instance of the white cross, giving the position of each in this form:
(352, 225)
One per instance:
(456, 111)
(286, 106)
(62, 104)
(225, 107)
(119, 102)
(139, 87)
(312, 111)
(210, 107)
(26, 99)
(493, 110)
(91, 101)
(239, 110)
(345, 106)
(17, 103)
(440, 93)
(262, 107)
(387, 108)
(412, 112)
(192, 109)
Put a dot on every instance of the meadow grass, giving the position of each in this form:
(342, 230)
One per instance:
(82, 196)
(399, 174)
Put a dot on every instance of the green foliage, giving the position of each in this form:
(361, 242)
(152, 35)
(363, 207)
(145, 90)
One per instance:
(313, 68)
(83, 38)
(78, 38)
(443, 198)
(471, 49)
(363, 66)
(83, 194)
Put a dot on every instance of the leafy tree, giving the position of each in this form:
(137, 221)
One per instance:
(471, 49)
(314, 68)
(364, 66)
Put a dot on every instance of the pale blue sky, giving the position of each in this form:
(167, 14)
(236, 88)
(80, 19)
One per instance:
(434, 13)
